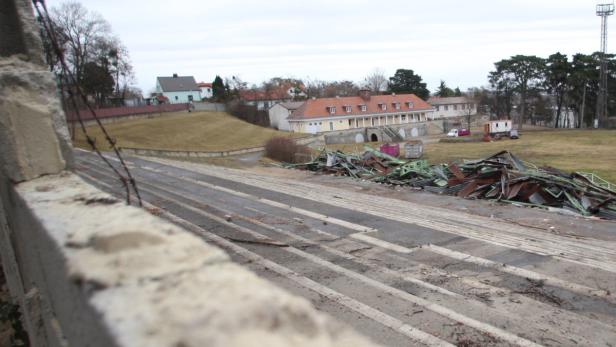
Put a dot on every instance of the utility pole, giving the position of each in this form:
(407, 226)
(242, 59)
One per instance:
(603, 11)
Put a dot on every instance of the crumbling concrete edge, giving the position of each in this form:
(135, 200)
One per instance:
(105, 274)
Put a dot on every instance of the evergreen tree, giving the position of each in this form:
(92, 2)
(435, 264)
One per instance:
(219, 90)
(443, 91)
(406, 81)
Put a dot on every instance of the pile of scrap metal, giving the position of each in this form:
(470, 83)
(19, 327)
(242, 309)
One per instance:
(501, 177)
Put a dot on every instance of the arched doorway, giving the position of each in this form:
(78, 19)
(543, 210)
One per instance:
(374, 138)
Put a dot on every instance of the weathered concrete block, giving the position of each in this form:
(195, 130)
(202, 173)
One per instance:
(33, 133)
(110, 275)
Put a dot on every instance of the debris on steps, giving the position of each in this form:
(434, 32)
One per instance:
(502, 177)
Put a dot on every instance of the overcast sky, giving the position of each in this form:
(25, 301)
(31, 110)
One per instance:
(455, 41)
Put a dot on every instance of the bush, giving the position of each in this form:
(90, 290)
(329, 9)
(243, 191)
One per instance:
(286, 150)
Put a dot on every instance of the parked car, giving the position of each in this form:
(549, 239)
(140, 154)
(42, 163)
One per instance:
(513, 134)
(464, 132)
(460, 132)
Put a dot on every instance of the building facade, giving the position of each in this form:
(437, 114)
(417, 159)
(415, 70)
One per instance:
(343, 113)
(279, 114)
(178, 89)
(458, 106)
(206, 90)
(264, 99)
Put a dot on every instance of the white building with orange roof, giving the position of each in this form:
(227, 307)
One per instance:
(365, 110)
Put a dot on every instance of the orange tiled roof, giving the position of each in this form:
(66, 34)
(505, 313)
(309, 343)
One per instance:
(204, 84)
(320, 108)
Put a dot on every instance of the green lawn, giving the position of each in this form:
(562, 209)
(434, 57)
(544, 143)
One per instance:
(569, 150)
(196, 131)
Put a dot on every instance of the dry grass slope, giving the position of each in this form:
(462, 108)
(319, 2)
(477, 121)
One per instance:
(196, 131)
(569, 150)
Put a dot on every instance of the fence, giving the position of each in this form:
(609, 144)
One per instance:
(249, 113)
(125, 111)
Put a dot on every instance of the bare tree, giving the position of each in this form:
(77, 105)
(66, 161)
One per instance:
(87, 42)
(81, 31)
(314, 88)
(473, 97)
(376, 81)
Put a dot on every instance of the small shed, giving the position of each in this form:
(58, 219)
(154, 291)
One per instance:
(498, 126)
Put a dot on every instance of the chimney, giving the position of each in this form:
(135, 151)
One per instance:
(364, 94)
(314, 98)
(393, 94)
(337, 96)
(175, 75)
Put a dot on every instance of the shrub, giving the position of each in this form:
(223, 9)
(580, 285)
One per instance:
(286, 150)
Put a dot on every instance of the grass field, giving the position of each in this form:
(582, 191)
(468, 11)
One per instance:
(196, 131)
(569, 150)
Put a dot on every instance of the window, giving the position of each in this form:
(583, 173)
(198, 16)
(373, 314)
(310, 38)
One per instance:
(350, 123)
(410, 104)
(372, 121)
(363, 108)
(455, 107)
(176, 97)
(383, 107)
(403, 117)
(397, 105)
(190, 98)
(332, 109)
(446, 108)
(331, 126)
(347, 109)
(437, 107)
(310, 124)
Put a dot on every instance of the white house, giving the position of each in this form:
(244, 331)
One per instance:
(279, 114)
(265, 99)
(352, 112)
(457, 106)
(206, 90)
(178, 89)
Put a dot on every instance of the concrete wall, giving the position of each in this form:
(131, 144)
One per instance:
(406, 131)
(209, 154)
(172, 288)
(87, 270)
(210, 106)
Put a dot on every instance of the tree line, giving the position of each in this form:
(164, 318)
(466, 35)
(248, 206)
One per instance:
(97, 59)
(403, 81)
(542, 89)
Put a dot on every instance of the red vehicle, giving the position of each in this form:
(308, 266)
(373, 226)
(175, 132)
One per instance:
(464, 132)
(458, 132)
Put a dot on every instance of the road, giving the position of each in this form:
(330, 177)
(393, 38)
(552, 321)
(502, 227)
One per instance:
(399, 272)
